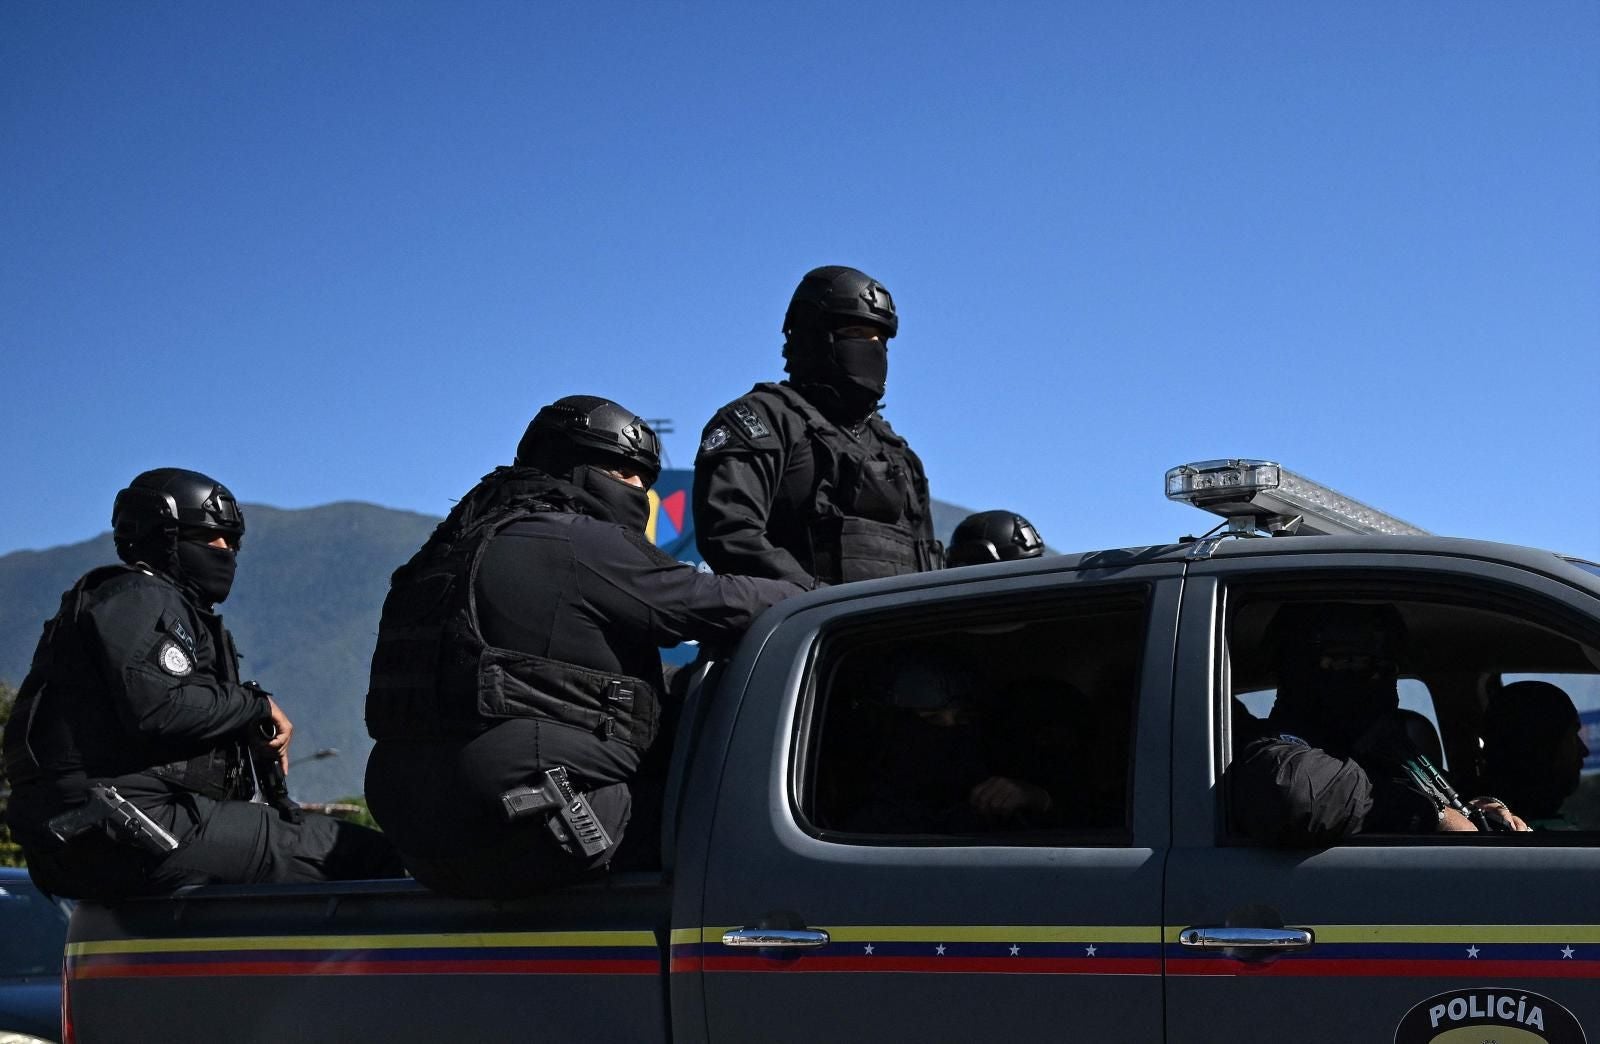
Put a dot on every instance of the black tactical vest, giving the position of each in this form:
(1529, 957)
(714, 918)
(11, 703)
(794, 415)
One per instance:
(434, 675)
(867, 515)
(63, 694)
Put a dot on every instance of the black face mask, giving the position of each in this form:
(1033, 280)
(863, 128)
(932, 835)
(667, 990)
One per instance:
(864, 363)
(1338, 708)
(207, 571)
(622, 503)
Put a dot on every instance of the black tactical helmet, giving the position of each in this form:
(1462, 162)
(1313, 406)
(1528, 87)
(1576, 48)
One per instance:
(993, 536)
(160, 505)
(835, 296)
(580, 429)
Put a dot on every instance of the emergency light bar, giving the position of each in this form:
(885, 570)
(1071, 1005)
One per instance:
(1262, 495)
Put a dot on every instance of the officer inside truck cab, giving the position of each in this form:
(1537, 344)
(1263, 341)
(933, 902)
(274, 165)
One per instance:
(517, 684)
(1333, 759)
(133, 741)
(803, 479)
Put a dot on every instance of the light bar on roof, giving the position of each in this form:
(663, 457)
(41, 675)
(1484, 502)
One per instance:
(1261, 494)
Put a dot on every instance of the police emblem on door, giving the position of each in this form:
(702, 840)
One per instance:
(1502, 1014)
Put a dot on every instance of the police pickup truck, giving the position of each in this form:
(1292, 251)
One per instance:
(828, 877)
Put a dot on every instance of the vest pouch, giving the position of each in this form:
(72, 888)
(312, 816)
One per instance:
(612, 706)
(873, 489)
(869, 550)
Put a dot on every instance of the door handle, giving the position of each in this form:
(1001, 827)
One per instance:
(1258, 939)
(789, 938)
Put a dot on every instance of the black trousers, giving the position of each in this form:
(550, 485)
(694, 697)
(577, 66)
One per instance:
(224, 842)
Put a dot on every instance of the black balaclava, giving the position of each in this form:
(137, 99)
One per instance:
(845, 376)
(1337, 676)
(206, 571)
(597, 494)
(620, 502)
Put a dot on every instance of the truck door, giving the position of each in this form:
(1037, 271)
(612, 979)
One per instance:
(1401, 936)
(942, 813)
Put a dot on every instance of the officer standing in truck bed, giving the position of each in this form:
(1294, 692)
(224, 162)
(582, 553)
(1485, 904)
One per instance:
(803, 480)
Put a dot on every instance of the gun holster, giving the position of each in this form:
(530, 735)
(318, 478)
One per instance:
(568, 815)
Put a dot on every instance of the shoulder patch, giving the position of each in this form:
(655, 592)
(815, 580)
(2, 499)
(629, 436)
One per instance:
(753, 425)
(175, 627)
(1289, 737)
(173, 659)
(715, 439)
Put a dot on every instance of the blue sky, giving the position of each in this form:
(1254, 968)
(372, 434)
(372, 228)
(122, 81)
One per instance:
(344, 251)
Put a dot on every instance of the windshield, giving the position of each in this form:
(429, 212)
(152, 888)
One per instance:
(1586, 566)
(33, 931)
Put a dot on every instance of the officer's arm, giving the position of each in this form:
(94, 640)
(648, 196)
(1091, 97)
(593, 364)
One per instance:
(630, 580)
(736, 479)
(1290, 793)
(152, 678)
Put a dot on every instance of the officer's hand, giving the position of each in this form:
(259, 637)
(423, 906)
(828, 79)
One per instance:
(1451, 820)
(279, 744)
(1000, 796)
(1498, 811)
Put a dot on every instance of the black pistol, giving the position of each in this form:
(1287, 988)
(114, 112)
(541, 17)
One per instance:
(571, 819)
(126, 821)
(269, 774)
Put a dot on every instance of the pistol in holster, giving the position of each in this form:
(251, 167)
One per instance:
(122, 819)
(568, 815)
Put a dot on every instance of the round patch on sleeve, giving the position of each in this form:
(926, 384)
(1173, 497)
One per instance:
(174, 660)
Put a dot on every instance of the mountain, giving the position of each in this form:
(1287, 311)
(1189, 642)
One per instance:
(304, 613)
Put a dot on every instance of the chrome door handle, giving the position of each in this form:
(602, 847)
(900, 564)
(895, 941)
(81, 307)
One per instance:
(1247, 938)
(792, 938)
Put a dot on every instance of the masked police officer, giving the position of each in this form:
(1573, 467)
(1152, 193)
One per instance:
(802, 479)
(1333, 758)
(129, 747)
(993, 536)
(518, 665)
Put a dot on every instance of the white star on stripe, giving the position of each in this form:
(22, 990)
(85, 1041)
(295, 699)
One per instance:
(1472, 951)
(939, 949)
(1089, 949)
(1015, 949)
(869, 949)
(1566, 952)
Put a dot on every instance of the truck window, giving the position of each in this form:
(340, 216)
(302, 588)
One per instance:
(1498, 695)
(979, 725)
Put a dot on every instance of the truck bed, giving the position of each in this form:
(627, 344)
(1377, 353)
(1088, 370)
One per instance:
(374, 960)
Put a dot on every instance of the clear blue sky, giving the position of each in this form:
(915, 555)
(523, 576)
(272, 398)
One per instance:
(331, 251)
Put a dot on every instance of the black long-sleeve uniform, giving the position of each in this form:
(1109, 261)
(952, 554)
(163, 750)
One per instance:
(782, 491)
(136, 685)
(570, 588)
(1285, 790)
